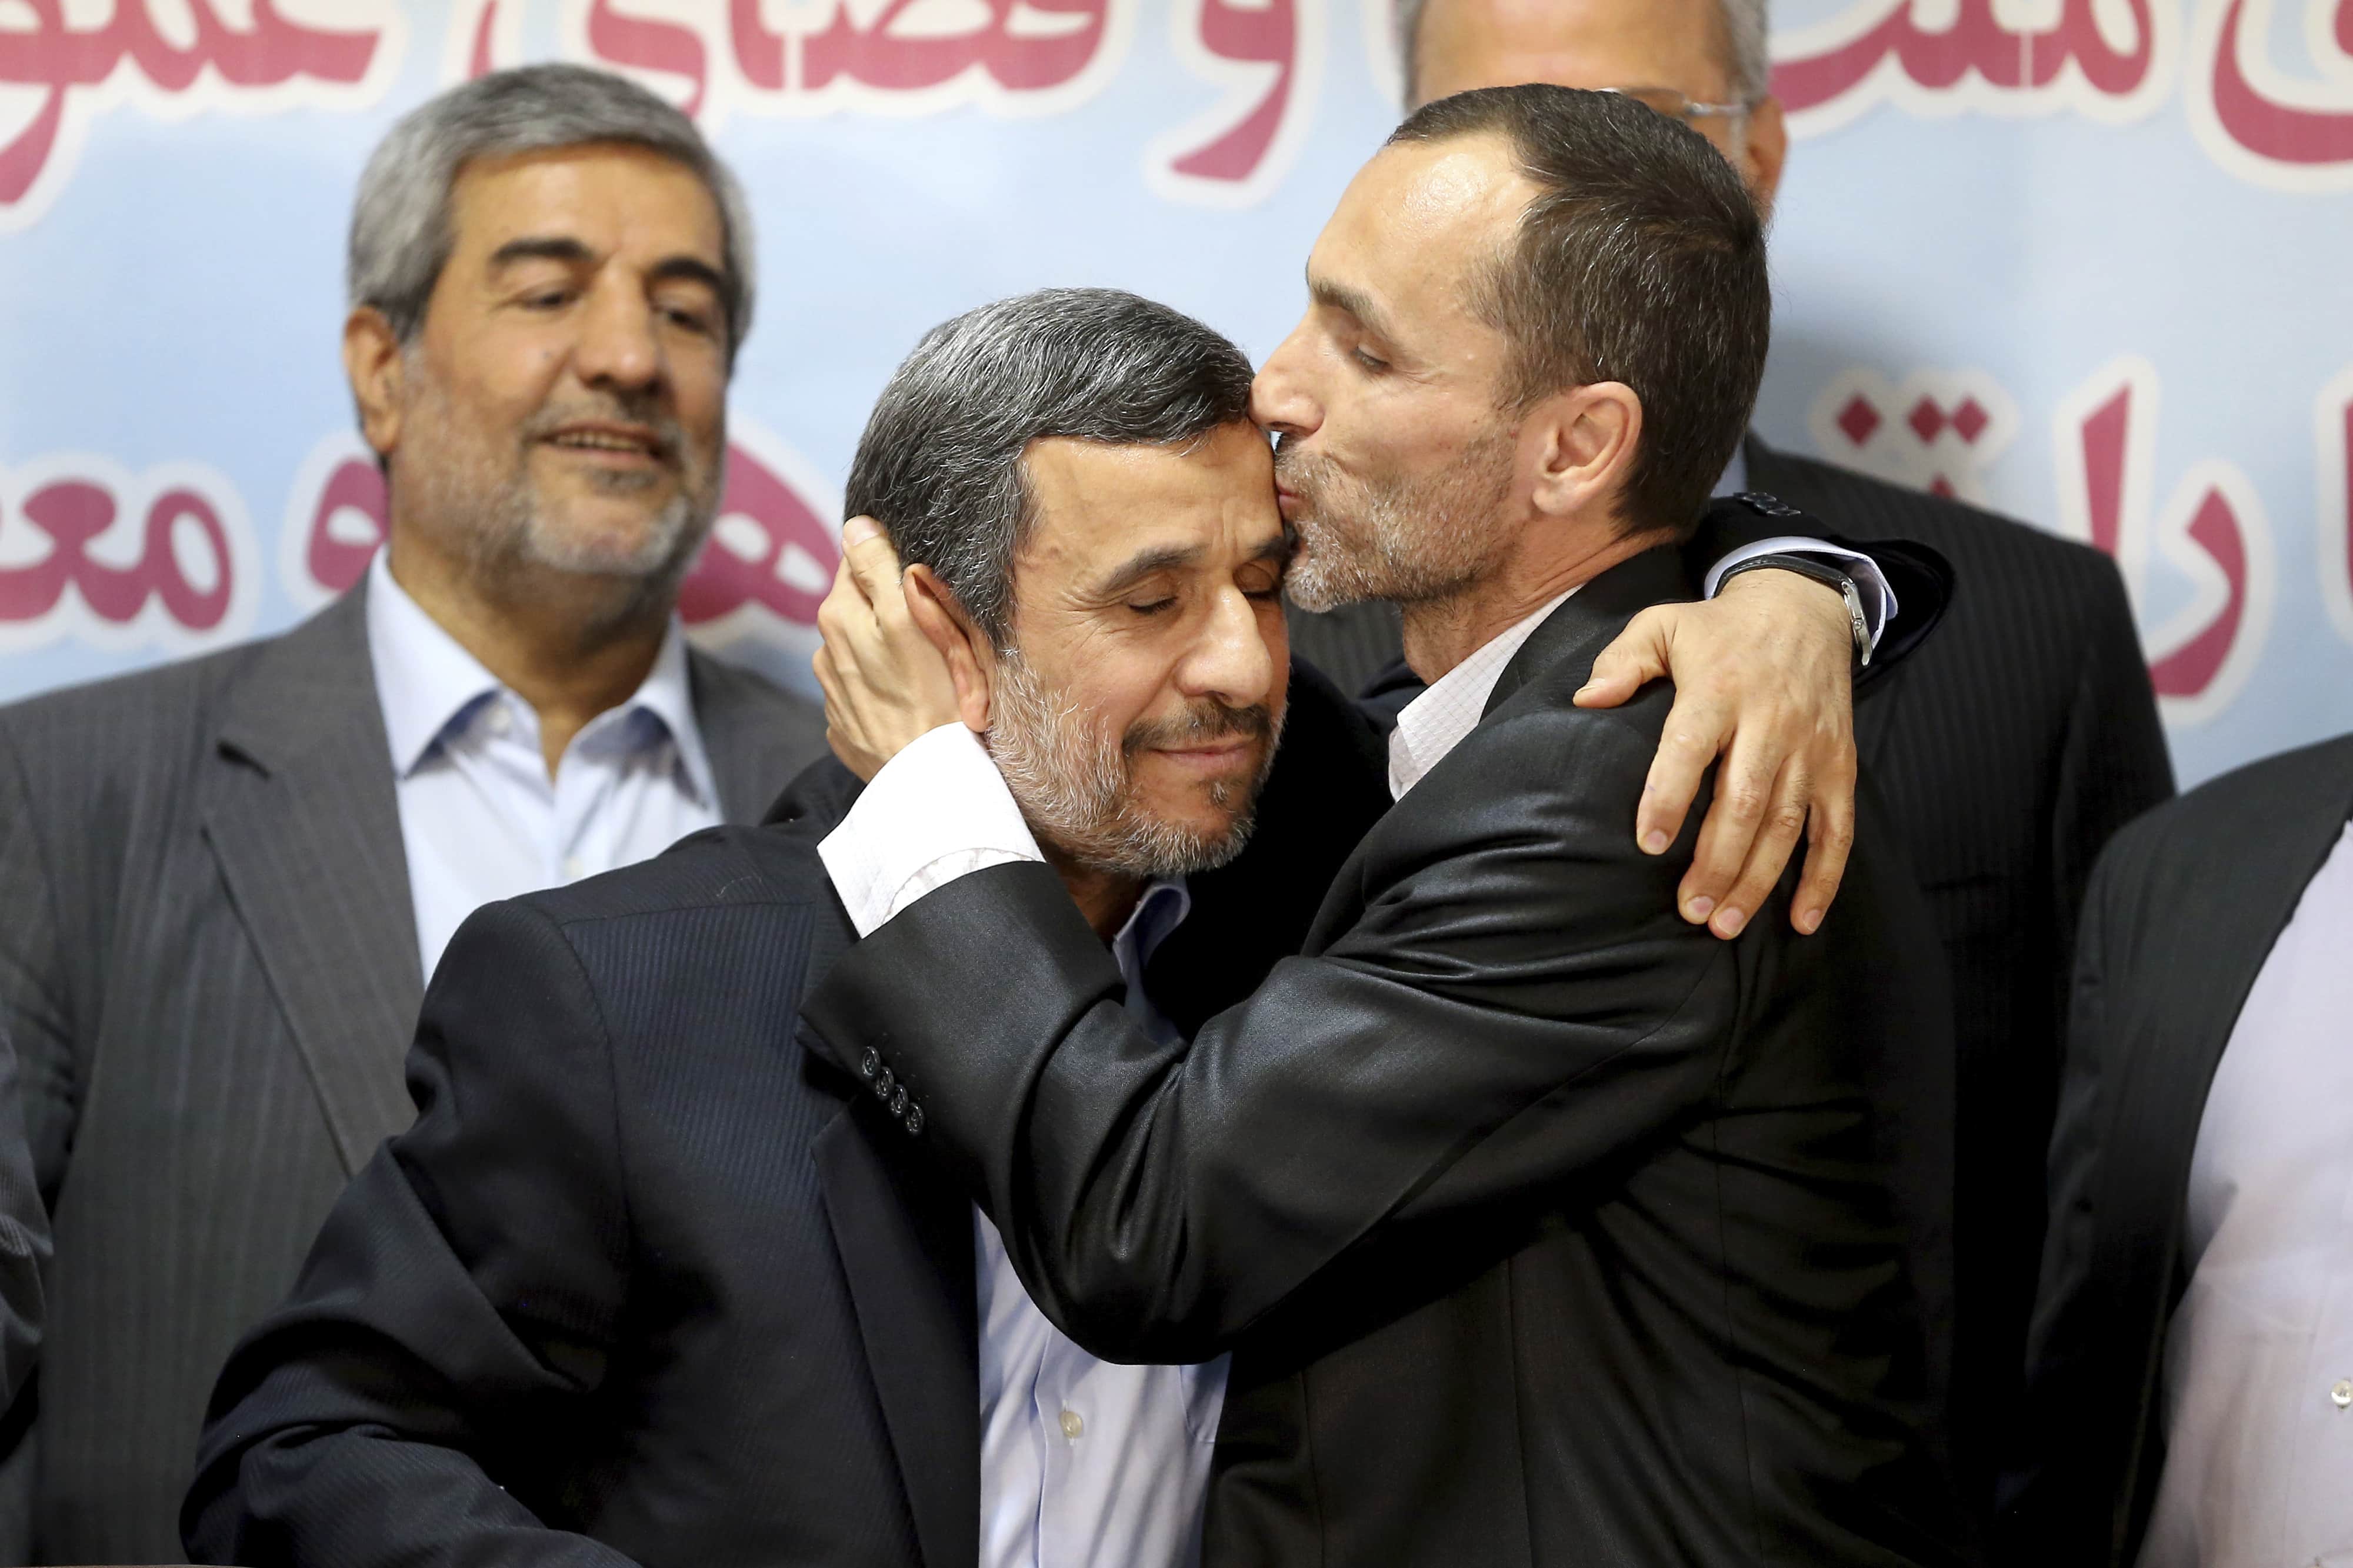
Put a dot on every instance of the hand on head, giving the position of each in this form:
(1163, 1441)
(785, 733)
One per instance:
(884, 664)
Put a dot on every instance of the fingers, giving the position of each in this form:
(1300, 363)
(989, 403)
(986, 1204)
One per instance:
(1746, 788)
(1698, 727)
(1830, 841)
(1637, 656)
(871, 563)
(1783, 824)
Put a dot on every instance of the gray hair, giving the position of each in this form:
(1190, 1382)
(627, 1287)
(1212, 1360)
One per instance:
(1743, 38)
(940, 465)
(400, 225)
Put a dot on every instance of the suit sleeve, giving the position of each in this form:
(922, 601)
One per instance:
(436, 1375)
(24, 1237)
(1517, 1003)
(36, 1013)
(2116, 765)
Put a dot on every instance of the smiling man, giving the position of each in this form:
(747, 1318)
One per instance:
(222, 883)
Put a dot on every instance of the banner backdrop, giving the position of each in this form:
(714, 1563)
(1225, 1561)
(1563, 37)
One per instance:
(2082, 260)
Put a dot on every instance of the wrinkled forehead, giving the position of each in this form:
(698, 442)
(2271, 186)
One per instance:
(1095, 505)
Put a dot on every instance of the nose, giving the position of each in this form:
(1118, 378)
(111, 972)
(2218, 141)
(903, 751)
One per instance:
(1280, 398)
(617, 347)
(1233, 662)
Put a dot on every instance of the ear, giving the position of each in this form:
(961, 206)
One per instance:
(372, 361)
(970, 657)
(1588, 438)
(1766, 150)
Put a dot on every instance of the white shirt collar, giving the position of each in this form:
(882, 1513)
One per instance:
(1434, 723)
(427, 683)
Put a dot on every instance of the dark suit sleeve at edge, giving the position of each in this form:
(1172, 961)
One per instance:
(432, 1377)
(1160, 1199)
(35, 1011)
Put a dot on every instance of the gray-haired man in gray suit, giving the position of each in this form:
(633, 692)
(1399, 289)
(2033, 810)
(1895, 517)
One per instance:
(221, 883)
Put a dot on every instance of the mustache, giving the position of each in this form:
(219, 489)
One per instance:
(1210, 720)
(645, 410)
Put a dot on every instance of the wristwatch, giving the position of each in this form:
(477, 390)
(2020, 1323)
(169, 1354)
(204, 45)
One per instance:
(1829, 576)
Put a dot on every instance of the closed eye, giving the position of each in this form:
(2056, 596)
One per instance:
(1154, 607)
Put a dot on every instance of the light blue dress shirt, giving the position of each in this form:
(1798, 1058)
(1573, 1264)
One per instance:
(1085, 1463)
(479, 818)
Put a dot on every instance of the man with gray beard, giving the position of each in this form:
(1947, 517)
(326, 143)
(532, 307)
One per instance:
(223, 883)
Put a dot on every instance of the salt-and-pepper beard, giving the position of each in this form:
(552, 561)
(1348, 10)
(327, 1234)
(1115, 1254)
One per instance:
(494, 517)
(1408, 538)
(1076, 785)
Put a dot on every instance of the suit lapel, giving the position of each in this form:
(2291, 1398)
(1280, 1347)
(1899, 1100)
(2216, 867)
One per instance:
(753, 751)
(298, 806)
(905, 1239)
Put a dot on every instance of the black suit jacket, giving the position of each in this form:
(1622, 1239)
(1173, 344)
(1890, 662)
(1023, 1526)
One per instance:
(208, 966)
(646, 1281)
(2009, 748)
(2183, 912)
(1715, 1174)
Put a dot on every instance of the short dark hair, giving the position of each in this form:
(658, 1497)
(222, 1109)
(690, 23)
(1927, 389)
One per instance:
(940, 465)
(1640, 259)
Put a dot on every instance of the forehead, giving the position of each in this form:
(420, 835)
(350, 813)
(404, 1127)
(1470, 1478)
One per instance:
(614, 195)
(1572, 43)
(1096, 503)
(1417, 220)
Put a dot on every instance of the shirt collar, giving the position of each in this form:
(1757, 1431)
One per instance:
(1435, 722)
(426, 682)
(1156, 916)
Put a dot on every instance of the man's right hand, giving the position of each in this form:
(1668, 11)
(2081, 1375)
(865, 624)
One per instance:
(886, 680)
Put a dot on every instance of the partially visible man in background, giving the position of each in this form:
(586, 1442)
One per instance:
(221, 883)
(2021, 738)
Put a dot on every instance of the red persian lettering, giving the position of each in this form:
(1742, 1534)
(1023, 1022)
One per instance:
(1974, 44)
(63, 59)
(73, 513)
(770, 548)
(2264, 122)
(2214, 530)
(1266, 34)
(335, 555)
(890, 56)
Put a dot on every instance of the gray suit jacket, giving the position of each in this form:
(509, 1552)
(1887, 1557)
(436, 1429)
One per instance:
(208, 965)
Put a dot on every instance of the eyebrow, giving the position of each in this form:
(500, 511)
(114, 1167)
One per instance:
(572, 252)
(1340, 297)
(1278, 547)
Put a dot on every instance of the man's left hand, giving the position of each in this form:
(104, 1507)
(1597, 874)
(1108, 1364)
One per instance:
(1764, 678)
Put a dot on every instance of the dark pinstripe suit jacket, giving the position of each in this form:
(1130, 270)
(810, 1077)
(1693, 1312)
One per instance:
(208, 965)
(2010, 747)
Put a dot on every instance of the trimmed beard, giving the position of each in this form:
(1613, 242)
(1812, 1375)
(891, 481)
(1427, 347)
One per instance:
(1076, 787)
(1410, 539)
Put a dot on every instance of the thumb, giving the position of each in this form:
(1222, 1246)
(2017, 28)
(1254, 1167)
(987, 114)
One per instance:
(1638, 656)
(871, 563)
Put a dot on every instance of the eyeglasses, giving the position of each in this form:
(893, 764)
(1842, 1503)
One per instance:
(1678, 105)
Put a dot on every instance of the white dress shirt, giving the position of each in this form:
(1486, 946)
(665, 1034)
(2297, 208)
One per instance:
(1435, 722)
(2258, 1375)
(1083, 1463)
(479, 818)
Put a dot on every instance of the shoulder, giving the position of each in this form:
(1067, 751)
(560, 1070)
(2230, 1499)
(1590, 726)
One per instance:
(2246, 805)
(1865, 508)
(122, 713)
(721, 869)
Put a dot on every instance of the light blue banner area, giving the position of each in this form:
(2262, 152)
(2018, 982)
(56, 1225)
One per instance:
(2099, 310)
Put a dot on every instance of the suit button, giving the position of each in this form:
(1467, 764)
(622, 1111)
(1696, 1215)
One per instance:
(870, 1064)
(915, 1121)
(884, 1084)
(899, 1100)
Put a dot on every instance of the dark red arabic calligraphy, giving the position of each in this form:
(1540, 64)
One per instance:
(74, 513)
(1265, 34)
(61, 58)
(1975, 44)
(2282, 133)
